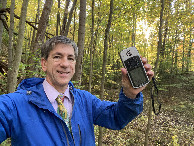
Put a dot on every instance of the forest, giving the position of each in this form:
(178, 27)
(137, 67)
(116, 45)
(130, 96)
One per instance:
(161, 30)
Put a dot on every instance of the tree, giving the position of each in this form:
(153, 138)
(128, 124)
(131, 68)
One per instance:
(18, 50)
(65, 17)
(2, 18)
(81, 40)
(10, 48)
(155, 69)
(39, 39)
(104, 62)
(58, 18)
(70, 18)
(91, 48)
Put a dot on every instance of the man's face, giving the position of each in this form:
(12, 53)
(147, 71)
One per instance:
(60, 66)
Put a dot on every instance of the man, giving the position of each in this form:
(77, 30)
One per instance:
(33, 116)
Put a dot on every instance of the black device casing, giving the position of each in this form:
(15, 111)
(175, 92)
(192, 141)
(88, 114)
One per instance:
(136, 71)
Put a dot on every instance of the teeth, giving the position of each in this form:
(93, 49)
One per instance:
(62, 72)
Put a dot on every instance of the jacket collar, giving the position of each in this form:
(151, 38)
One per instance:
(39, 98)
(35, 91)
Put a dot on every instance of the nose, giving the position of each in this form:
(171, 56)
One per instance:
(64, 62)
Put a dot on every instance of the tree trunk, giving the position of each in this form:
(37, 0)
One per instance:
(149, 123)
(188, 62)
(43, 22)
(39, 40)
(2, 5)
(134, 27)
(155, 69)
(91, 48)
(104, 63)
(183, 57)
(18, 51)
(81, 40)
(10, 49)
(58, 18)
(159, 35)
(162, 51)
(65, 17)
(173, 52)
(188, 66)
(36, 22)
(69, 18)
(74, 24)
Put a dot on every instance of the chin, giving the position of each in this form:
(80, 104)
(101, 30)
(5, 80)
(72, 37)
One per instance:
(63, 83)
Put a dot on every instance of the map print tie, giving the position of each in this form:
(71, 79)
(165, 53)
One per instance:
(62, 111)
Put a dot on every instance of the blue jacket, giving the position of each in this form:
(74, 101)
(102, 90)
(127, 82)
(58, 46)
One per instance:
(29, 119)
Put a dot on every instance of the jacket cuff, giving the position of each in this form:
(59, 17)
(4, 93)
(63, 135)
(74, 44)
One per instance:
(124, 98)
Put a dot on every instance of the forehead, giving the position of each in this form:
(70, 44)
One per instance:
(63, 49)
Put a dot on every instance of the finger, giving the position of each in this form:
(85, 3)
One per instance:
(144, 60)
(150, 74)
(124, 71)
(147, 67)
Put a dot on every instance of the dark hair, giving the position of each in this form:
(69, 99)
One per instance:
(50, 44)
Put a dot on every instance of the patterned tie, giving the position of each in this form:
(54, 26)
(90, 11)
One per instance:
(62, 111)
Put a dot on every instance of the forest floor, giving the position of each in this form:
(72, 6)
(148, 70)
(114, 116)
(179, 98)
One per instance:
(173, 126)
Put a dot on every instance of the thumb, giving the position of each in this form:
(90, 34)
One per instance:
(124, 72)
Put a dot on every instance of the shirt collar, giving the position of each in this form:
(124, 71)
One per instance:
(52, 93)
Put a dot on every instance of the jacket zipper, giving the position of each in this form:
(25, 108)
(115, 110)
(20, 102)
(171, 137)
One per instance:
(72, 111)
(65, 133)
(80, 135)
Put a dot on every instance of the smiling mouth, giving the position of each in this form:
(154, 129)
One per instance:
(61, 72)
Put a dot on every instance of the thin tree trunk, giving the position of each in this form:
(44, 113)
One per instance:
(10, 49)
(18, 51)
(74, 24)
(188, 62)
(58, 18)
(70, 18)
(2, 5)
(134, 27)
(149, 123)
(173, 52)
(159, 36)
(183, 57)
(65, 17)
(104, 63)
(155, 69)
(91, 48)
(162, 51)
(36, 21)
(81, 40)
(188, 66)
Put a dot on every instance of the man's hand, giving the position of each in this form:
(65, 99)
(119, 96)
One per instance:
(128, 90)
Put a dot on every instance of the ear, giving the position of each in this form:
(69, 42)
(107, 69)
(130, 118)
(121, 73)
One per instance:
(44, 64)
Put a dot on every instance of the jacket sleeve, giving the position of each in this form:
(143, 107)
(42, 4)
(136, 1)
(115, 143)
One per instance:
(5, 117)
(116, 115)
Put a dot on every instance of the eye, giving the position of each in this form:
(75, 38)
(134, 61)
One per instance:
(57, 57)
(71, 58)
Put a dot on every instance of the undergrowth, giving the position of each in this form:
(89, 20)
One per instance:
(173, 126)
